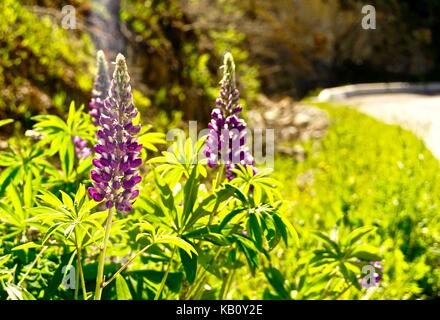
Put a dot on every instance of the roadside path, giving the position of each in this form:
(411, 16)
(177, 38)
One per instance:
(415, 112)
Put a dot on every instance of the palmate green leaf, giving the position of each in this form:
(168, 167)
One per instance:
(190, 191)
(349, 276)
(290, 228)
(28, 191)
(67, 156)
(262, 185)
(179, 242)
(7, 159)
(50, 123)
(208, 233)
(8, 215)
(166, 203)
(281, 228)
(25, 246)
(69, 230)
(14, 196)
(4, 259)
(55, 141)
(80, 193)
(52, 229)
(84, 166)
(252, 256)
(50, 199)
(18, 293)
(323, 255)
(160, 159)
(326, 240)
(7, 176)
(144, 235)
(189, 263)
(357, 234)
(44, 214)
(146, 226)
(57, 134)
(67, 201)
(205, 259)
(56, 280)
(257, 194)
(255, 230)
(237, 193)
(71, 115)
(205, 207)
(231, 215)
(353, 267)
(367, 253)
(149, 140)
(5, 122)
(122, 290)
(86, 208)
(278, 282)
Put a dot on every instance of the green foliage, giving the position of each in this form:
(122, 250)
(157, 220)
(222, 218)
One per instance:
(363, 174)
(188, 227)
(34, 52)
(305, 230)
(192, 234)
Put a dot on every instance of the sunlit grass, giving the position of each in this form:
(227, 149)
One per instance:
(365, 172)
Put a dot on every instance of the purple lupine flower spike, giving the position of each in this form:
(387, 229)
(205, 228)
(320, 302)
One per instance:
(100, 88)
(115, 174)
(81, 149)
(226, 141)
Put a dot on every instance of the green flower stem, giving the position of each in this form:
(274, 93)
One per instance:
(32, 265)
(199, 282)
(165, 277)
(101, 263)
(226, 285)
(125, 265)
(77, 283)
(81, 275)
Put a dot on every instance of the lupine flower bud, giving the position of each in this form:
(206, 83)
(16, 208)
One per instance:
(100, 88)
(81, 149)
(115, 174)
(227, 131)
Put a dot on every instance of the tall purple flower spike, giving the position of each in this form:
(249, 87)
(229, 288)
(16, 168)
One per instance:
(100, 88)
(115, 174)
(226, 141)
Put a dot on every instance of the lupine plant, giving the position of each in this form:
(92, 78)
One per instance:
(100, 88)
(226, 142)
(115, 173)
(119, 225)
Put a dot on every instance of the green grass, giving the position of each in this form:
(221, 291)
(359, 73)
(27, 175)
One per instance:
(365, 172)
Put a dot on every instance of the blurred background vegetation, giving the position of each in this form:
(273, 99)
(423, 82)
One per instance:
(284, 50)
(282, 47)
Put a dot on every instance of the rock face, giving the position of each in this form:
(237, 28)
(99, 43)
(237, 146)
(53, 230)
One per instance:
(292, 122)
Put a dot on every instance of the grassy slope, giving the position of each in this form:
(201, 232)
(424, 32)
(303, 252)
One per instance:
(365, 172)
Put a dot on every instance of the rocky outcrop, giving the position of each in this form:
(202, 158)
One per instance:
(292, 122)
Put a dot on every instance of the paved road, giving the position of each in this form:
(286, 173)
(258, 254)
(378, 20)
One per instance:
(418, 113)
